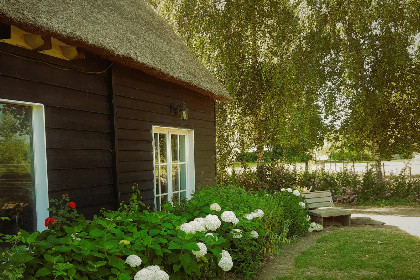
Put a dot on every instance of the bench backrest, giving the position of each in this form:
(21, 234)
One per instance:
(318, 199)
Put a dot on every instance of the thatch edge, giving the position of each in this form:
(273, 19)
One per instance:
(126, 61)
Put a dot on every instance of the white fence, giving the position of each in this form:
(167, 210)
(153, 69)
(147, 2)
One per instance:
(410, 167)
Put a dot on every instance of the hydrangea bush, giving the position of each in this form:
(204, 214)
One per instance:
(255, 223)
(221, 231)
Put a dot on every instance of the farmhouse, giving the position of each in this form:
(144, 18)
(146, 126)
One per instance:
(97, 97)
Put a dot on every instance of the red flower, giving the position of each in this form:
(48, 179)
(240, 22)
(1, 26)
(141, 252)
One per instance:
(49, 221)
(67, 194)
(120, 257)
(72, 204)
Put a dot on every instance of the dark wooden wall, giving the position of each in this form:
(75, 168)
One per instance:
(77, 120)
(142, 101)
(79, 124)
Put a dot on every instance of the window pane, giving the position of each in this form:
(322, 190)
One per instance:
(16, 170)
(175, 197)
(174, 147)
(182, 148)
(175, 178)
(162, 147)
(184, 194)
(183, 175)
(156, 148)
(157, 179)
(163, 178)
(163, 199)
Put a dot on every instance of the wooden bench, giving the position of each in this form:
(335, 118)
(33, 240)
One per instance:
(321, 209)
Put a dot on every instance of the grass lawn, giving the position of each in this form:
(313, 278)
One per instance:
(357, 253)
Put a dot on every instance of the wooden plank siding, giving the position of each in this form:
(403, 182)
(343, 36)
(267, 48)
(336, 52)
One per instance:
(80, 123)
(142, 101)
(77, 119)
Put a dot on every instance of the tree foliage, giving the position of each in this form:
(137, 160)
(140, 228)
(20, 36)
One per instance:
(369, 58)
(253, 48)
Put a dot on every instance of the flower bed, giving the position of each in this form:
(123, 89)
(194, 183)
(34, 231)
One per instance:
(221, 231)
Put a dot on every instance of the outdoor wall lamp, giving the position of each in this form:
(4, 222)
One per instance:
(180, 110)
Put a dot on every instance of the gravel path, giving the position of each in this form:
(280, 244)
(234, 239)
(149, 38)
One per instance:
(405, 218)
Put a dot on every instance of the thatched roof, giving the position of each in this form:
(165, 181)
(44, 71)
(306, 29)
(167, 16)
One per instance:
(126, 31)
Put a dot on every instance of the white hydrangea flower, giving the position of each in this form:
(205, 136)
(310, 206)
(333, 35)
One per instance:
(254, 234)
(187, 228)
(308, 218)
(202, 252)
(259, 213)
(237, 233)
(215, 207)
(212, 222)
(226, 262)
(282, 189)
(152, 272)
(302, 204)
(200, 220)
(133, 260)
(250, 216)
(197, 226)
(194, 226)
(315, 227)
(296, 192)
(289, 189)
(229, 217)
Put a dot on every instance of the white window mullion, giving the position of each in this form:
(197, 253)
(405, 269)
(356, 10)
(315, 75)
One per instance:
(169, 161)
(190, 165)
(156, 183)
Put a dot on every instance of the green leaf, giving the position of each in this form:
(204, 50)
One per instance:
(176, 267)
(31, 238)
(168, 225)
(185, 260)
(49, 258)
(191, 246)
(96, 233)
(154, 232)
(116, 262)
(174, 245)
(124, 276)
(100, 263)
(42, 272)
(72, 272)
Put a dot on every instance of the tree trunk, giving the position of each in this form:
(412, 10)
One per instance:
(377, 158)
(260, 155)
(306, 165)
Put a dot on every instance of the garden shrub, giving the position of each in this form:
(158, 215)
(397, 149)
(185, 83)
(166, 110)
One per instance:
(283, 220)
(175, 242)
(345, 186)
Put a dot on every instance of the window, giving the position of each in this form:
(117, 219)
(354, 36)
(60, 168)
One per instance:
(23, 173)
(173, 164)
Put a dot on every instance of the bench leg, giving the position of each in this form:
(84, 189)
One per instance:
(318, 220)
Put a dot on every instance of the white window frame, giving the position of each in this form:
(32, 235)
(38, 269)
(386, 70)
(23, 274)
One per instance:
(189, 157)
(40, 161)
